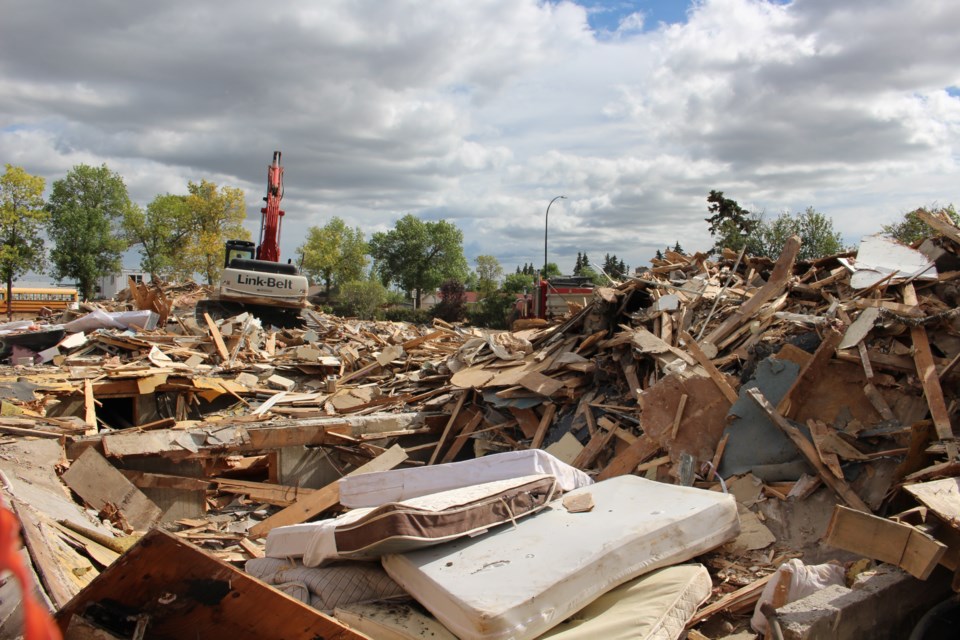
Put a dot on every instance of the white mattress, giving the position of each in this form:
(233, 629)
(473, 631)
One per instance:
(316, 542)
(655, 606)
(518, 582)
(379, 487)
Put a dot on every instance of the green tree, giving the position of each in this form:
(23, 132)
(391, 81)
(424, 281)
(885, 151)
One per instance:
(360, 299)
(551, 270)
(817, 237)
(86, 209)
(613, 267)
(730, 225)
(518, 283)
(417, 256)
(160, 232)
(333, 254)
(22, 217)
(215, 216)
(582, 265)
(912, 229)
(493, 311)
(489, 272)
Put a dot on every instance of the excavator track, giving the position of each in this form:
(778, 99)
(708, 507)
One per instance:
(280, 317)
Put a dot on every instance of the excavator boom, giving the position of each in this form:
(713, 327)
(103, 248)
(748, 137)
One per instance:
(269, 248)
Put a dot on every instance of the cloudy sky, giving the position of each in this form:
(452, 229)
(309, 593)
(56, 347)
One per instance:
(481, 111)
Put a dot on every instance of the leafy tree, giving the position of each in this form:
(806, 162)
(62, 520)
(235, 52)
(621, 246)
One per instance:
(22, 217)
(551, 270)
(86, 209)
(360, 298)
(817, 237)
(453, 302)
(161, 232)
(418, 256)
(493, 311)
(912, 229)
(489, 273)
(518, 283)
(730, 225)
(333, 254)
(215, 216)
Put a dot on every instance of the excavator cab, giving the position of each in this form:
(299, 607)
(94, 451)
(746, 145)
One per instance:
(239, 249)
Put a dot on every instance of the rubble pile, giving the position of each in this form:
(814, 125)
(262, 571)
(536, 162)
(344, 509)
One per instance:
(820, 395)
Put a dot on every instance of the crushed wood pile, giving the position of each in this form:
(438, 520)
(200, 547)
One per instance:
(819, 395)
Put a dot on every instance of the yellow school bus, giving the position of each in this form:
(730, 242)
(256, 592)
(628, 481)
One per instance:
(36, 299)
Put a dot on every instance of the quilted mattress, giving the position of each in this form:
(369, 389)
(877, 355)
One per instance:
(518, 582)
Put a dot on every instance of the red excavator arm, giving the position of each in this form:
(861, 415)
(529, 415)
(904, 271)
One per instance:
(269, 248)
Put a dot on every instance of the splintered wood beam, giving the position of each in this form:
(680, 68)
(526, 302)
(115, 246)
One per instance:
(718, 378)
(447, 429)
(778, 281)
(89, 408)
(544, 425)
(812, 371)
(878, 538)
(940, 225)
(630, 458)
(818, 430)
(217, 337)
(461, 439)
(597, 444)
(839, 486)
(927, 372)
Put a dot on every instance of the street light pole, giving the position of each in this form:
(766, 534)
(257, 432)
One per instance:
(546, 224)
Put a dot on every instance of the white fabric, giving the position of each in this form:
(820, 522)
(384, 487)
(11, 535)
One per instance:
(326, 588)
(804, 581)
(315, 542)
(520, 581)
(380, 487)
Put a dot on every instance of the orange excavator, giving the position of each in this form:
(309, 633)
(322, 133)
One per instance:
(253, 277)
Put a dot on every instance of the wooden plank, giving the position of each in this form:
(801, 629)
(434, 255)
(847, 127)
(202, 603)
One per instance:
(941, 496)
(449, 427)
(527, 419)
(144, 480)
(839, 486)
(539, 383)
(277, 494)
(735, 601)
(818, 431)
(927, 371)
(627, 460)
(89, 408)
(940, 225)
(678, 416)
(880, 539)
(217, 337)
(462, 438)
(545, 421)
(812, 371)
(189, 593)
(718, 378)
(99, 483)
(594, 448)
(327, 497)
(782, 271)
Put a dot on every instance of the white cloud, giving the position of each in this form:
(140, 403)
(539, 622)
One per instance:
(482, 111)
